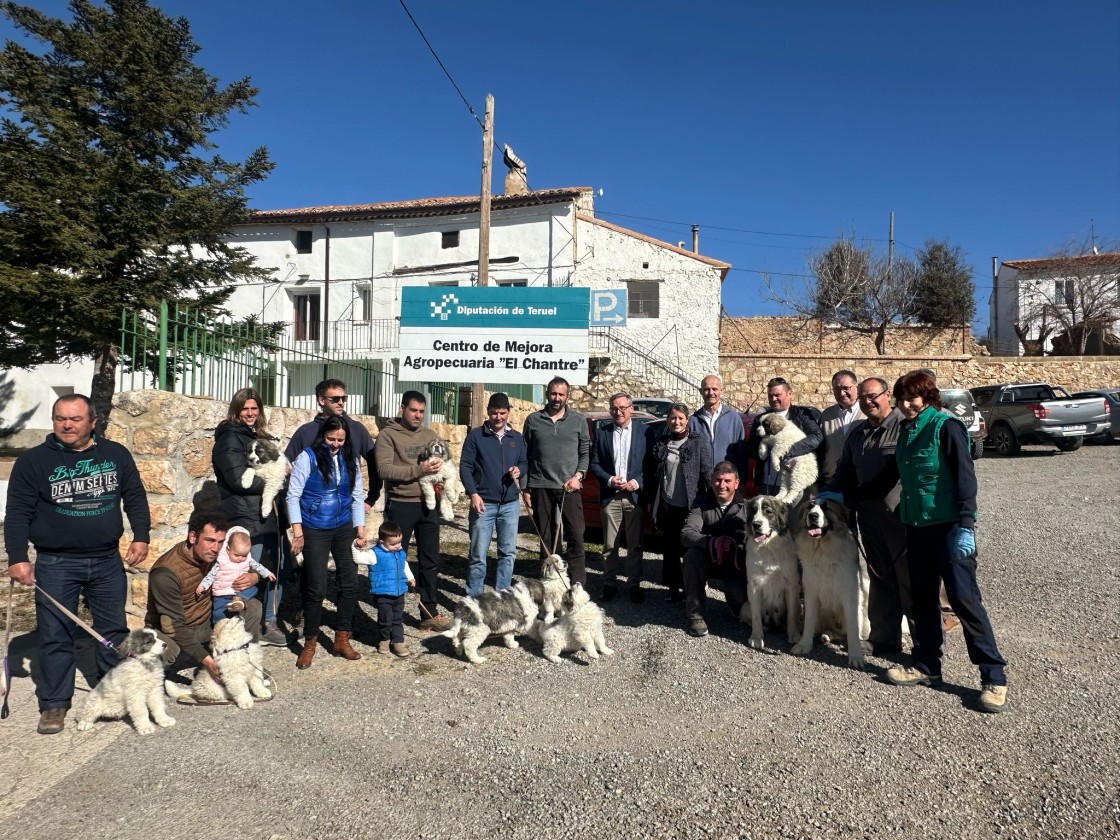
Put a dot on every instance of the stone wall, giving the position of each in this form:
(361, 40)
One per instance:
(798, 336)
(745, 376)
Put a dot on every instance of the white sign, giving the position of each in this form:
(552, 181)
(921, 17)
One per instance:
(509, 334)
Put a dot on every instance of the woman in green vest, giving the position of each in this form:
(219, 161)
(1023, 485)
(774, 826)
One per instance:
(938, 508)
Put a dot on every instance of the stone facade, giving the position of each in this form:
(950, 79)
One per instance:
(787, 335)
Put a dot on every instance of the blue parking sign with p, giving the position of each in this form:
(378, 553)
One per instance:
(608, 307)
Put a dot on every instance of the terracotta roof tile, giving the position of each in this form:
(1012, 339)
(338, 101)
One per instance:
(1057, 263)
(583, 217)
(439, 206)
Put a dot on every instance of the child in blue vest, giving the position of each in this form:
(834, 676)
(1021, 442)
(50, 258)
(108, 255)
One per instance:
(389, 578)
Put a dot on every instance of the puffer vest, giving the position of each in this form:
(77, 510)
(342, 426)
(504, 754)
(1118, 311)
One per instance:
(387, 577)
(326, 505)
(928, 491)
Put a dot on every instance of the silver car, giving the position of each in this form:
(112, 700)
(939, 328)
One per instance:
(1110, 404)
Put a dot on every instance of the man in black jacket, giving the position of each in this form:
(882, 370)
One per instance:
(780, 396)
(715, 534)
(65, 498)
(331, 396)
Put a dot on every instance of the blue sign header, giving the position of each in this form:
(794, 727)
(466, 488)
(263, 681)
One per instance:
(511, 307)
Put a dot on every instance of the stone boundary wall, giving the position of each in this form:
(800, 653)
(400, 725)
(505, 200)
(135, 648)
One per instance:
(785, 334)
(745, 376)
(171, 437)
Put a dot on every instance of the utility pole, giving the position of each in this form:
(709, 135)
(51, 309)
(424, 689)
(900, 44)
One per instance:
(890, 251)
(478, 410)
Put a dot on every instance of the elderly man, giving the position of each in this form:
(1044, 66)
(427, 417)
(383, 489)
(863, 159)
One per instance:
(176, 611)
(779, 395)
(714, 535)
(398, 465)
(837, 421)
(617, 454)
(558, 448)
(65, 498)
(718, 425)
(868, 449)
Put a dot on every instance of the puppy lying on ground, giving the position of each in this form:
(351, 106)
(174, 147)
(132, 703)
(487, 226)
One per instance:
(134, 687)
(579, 628)
(509, 613)
(773, 584)
(241, 664)
(835, 585)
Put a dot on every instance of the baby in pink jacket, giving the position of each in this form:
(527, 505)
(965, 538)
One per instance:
(233, 561)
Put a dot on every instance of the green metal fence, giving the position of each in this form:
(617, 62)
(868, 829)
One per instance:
(183, 350)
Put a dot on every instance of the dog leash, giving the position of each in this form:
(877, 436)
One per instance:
(4, 710)
(101, 639)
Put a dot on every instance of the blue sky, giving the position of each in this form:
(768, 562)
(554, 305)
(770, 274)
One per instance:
(774, 126)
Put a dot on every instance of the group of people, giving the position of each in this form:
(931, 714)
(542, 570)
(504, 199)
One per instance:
(905, 473)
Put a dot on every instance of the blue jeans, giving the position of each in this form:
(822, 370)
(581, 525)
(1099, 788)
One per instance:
(101, 580)
(265, 543)
(218, 611)
(503, 517)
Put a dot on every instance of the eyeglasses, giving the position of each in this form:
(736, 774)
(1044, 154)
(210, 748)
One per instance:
(337, 400)
(870, 397)
(844, 388)
(620, 409)
(777, 380)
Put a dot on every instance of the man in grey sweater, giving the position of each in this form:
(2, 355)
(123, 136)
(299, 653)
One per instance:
(559, 447)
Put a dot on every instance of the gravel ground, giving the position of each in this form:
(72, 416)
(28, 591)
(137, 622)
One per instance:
(672, 736)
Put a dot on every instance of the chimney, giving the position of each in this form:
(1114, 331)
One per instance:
(516, 181)
(696, 239)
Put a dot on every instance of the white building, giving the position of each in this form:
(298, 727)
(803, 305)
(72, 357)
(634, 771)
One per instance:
(1044, 297)
(338, 272)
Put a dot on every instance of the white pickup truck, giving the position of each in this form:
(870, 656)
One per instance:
(1035, 412)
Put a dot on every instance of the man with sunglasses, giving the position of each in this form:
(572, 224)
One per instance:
(779, 394)
(331, 396)
(868, 449)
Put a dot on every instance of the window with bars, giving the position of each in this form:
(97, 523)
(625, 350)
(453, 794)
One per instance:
(643, 299)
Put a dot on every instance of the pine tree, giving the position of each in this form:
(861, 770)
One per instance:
(944, 292)
(111, 193)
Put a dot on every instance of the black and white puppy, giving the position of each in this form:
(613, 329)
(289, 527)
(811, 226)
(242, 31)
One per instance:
(134, 687)
(266, 460)
(508, 614)
(447, 479)
(773, 584)
(835, 585)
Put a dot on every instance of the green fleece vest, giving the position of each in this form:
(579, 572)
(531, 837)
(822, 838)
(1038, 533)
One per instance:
(928, 493)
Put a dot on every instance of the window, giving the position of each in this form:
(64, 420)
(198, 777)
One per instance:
(643, 299)
(449, 239)
(363, 307)
(511, 283)
(443, 282)
(1064, 293)
(303, 242)
(307, 316)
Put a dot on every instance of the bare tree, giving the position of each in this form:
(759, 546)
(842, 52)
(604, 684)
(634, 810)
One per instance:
(1069, 297)
(855, 288)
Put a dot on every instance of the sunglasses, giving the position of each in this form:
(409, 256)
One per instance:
(337, 400)
(777, 380)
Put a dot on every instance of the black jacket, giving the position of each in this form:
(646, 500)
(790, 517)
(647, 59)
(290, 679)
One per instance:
(241, 506)
(696, 462)
(808, 420)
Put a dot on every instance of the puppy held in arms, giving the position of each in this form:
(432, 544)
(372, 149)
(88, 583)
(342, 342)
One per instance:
(835, 585)
(134, 687)
(447, 480)
(241, 664)
(508, 614)
(777, 436)
(266, 460)
(579, 628)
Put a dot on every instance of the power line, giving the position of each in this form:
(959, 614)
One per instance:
(440, 63)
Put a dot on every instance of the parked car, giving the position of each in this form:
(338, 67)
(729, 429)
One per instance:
(1035, 412)
(1111, 397)
(960, 404)
(657, 406)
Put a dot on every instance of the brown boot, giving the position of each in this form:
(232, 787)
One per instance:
(308, 653)
(342, 646)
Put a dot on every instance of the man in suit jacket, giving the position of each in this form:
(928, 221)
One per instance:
(617, 454)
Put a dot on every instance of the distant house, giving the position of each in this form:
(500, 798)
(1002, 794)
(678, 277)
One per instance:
(1047, 306)
(338, 271)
